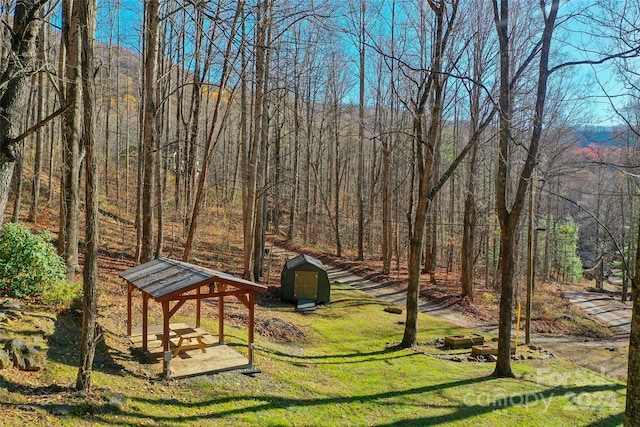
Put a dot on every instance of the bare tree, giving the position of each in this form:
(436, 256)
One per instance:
(252, 151)
(509, 204)
(149, 141)
(14, 86)
(71, 132)
(362, 41)
(40, 136)
(426, 143)
(216, 126)
(478, 62)
(85, 13)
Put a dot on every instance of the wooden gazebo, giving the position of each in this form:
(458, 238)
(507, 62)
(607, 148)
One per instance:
(172, 283)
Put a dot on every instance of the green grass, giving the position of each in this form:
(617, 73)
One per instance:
(347, 373)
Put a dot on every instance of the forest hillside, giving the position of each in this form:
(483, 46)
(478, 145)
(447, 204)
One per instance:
(460, 151)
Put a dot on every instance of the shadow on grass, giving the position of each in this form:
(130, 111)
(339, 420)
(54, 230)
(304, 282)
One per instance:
(58, 401)
(258, 404)
(611, 421)
(28, 390)
(358, 302)
(468, 409)
(64, 346)
(338, 359)
(460, 410)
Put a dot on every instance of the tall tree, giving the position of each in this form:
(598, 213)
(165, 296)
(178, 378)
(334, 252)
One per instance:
(40, 136)
(478, 63)
(14, 86)
(387, 139)
(85, 13)
(251, 157)
(427, 131)
(216, 127)
(509, 204)
(71, 132)
(362, 42)
(263, 156)
(149, 143)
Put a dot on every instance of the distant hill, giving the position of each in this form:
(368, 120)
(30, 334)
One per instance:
(589, 136)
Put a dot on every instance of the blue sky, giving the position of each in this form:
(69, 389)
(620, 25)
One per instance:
(129, 22)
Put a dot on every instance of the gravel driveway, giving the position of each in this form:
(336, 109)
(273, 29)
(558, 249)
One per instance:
(611, 312)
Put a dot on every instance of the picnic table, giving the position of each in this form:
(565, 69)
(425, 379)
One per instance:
(189, 339)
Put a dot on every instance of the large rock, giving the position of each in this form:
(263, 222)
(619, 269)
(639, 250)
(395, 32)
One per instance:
(24, 356)
(11, 309)
(116, 402)
(10, 304)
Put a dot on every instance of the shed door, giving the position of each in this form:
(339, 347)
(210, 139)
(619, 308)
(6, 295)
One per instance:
(306, 285)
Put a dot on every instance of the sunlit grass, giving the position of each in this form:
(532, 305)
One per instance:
(348, 371)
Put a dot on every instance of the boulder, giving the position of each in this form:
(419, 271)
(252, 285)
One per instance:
(10, 304)
(11, 309)
(24, 356)
(116, 402)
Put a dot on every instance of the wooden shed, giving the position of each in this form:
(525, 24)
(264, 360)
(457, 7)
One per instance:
(305, 278)
(172, 283)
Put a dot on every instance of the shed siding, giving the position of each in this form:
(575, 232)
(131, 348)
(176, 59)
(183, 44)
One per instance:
(300, 266)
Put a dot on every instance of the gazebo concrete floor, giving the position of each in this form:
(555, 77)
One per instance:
(218, 357)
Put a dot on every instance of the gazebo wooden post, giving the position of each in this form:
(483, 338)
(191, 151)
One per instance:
(251, 326)
(145, 320)
(165, 337)
(221, 289)
(129, 292)
(198, 308)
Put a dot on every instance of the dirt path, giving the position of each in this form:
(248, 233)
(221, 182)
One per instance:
(606, 356)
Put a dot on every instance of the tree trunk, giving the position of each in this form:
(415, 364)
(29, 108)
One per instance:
(632, 409)
(194, 121)
(431, 95)
(470, 214)
(251, 155)
(263, 156)
(508, 216)
(387, 144)
(361, 107)
(150, 131)
(295, 147)
(469, 230)
(336, 179)
(18, 182)
(71, 130)
(37, 166)
(13, 96)
(86, 12)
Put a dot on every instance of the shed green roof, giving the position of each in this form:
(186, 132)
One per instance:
(304, 259)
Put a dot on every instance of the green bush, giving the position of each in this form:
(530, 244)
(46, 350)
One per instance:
(28, 262)
(62, 296)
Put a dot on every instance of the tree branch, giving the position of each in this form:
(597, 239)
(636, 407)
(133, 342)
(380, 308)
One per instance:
(630, 53)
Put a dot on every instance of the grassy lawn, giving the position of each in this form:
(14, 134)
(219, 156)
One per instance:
(346, 372)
